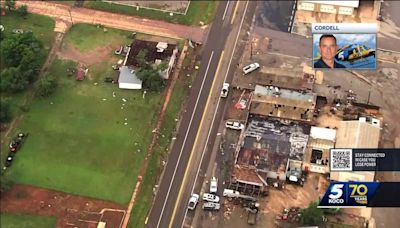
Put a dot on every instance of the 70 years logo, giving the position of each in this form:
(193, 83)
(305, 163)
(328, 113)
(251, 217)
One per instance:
(359, 193)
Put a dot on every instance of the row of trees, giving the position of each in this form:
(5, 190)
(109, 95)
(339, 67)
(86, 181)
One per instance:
(21, 58)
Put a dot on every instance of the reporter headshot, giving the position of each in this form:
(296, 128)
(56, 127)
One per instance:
(328, 48)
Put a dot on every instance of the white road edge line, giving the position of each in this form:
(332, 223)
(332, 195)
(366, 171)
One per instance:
(216, 107)
(226, 8)
(184, 141)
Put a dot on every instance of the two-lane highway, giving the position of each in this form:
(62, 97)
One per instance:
(162, 212)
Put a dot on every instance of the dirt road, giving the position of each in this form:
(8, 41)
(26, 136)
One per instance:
(83, 15)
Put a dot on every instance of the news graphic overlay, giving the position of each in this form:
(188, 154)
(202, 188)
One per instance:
(380, 159)
(344, 45)
(361, 194)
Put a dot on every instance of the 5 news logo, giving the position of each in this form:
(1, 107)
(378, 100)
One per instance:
(348, 194)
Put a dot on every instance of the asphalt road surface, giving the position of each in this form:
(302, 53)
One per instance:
(162, 212)
(274, 14)
(390, 26)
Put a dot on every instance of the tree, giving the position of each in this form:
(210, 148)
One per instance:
(10, 4)
(13, 80)
(22, 55)
(46, 86)
(141, 59)
(311, 216)
(30, 64)
(23, 11)
(151, 78)
(149, 74)
(14, 48)
(5, 111)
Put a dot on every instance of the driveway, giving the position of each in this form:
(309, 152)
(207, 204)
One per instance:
(130, 23)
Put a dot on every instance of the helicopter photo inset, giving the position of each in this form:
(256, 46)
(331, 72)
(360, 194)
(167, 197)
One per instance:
(354, 51)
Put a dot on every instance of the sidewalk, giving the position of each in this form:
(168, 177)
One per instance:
(83, 15)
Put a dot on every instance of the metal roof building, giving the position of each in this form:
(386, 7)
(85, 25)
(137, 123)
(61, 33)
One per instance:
(128, 80)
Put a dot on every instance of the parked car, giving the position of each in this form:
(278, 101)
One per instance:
(9, 161)
(250, 68)
(213, 185)
(225, 90)
(17, 142)
(210, 197)
(210, 206)
(194, 199)
(230, 193)
(235, 125)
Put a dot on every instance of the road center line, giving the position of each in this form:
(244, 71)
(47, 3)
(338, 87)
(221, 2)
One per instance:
(195, 143)
(234, 11)
(184, 141)
(216, 107)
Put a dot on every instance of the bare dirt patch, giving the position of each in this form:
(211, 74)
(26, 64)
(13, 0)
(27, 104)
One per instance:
(98, 55)
(70, 210)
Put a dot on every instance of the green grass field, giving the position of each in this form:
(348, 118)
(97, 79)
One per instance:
(198, 11)
(78, 142)
(41, 26)
(85, 37)
(26, 221)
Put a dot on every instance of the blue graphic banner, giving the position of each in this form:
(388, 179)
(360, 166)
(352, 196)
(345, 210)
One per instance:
(361, 194)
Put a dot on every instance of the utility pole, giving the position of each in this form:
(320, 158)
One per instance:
(70, 16)
(251, 50)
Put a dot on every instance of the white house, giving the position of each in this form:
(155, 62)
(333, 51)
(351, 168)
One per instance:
(127, 79)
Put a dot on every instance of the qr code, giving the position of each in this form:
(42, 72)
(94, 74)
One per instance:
(341, 160)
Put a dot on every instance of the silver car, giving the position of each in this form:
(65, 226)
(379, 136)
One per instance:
(250, 68)
(225, 90)
(194, 199)
(211, 206)
(210, 198)
(235, 125)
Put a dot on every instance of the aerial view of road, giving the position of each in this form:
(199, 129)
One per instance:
(173, 114)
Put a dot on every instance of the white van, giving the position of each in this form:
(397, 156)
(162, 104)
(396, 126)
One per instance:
(230, 193)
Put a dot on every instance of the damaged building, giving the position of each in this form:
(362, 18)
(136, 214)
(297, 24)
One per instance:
(272, 101)
(156, 53)
(276, 135)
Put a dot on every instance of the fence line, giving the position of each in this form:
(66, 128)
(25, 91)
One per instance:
(148, 8)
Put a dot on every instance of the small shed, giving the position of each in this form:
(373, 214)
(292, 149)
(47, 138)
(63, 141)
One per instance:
(128, 80)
